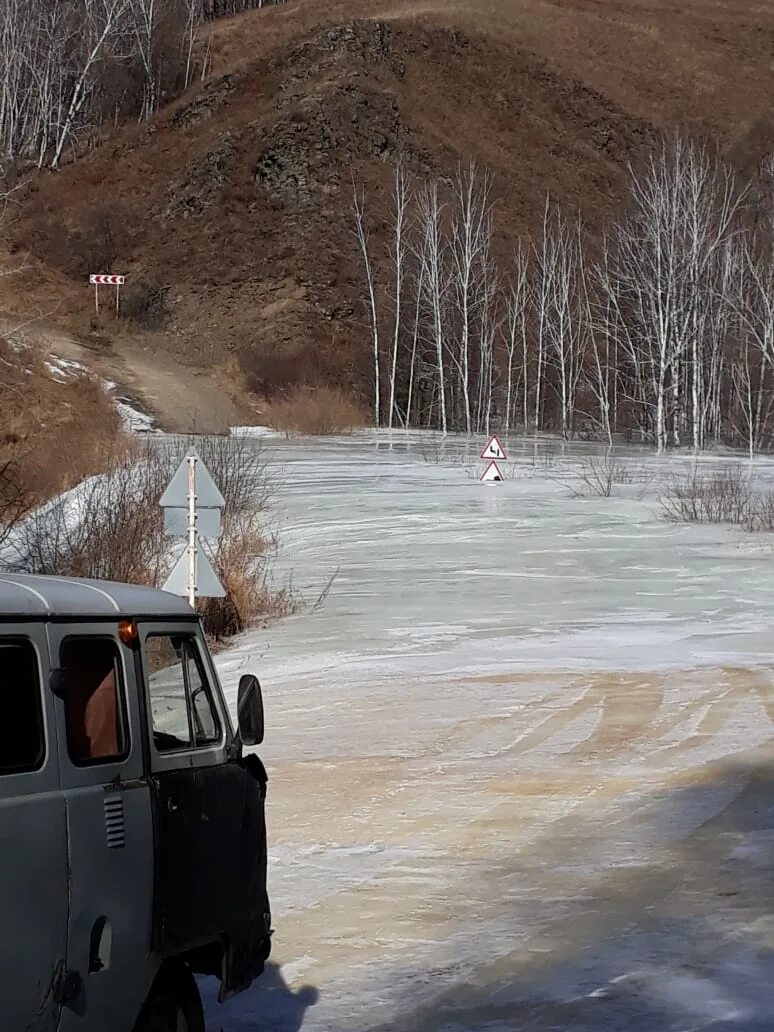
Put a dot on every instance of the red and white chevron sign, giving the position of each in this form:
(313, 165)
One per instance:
(101, 280)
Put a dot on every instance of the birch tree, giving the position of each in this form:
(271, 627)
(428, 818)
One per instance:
(435, 283)
(516, 336)
(399, 253)
(563, 329)
(363, 241)
(145, 18)
(469, 248)
(104, 30)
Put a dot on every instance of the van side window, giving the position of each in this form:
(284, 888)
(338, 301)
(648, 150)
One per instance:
(93, 697)
(182, 708)
(22, 743)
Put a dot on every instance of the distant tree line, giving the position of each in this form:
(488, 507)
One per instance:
(662, 329)
(68, 67)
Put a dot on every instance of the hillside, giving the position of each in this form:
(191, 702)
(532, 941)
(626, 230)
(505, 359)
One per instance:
(231, 213)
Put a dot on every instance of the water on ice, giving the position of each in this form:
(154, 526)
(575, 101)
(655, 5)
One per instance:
(520, 759)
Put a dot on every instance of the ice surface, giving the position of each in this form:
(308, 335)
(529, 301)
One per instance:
(520, 760)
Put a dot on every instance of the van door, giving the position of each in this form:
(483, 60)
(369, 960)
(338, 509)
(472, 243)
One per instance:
(209, 808)
(33, 838)
(109, 823)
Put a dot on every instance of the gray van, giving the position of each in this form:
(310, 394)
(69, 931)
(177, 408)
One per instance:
(132, 830)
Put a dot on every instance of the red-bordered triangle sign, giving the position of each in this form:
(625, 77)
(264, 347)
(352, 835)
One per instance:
(494, 450)
(492, 472)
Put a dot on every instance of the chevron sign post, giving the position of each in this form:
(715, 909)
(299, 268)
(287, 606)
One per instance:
(103, 279)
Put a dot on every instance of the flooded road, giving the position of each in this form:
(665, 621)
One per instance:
(522, 759)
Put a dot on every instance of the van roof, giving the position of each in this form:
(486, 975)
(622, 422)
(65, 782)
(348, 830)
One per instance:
(23, 595)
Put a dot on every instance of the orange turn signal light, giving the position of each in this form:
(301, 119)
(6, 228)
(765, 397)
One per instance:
(127, 632)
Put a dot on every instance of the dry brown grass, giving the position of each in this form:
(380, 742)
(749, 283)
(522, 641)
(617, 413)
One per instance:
(231, 378)
(55, 432)
(250, 601)
(316, 410)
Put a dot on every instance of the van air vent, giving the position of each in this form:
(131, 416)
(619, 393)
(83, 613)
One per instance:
(114, 822)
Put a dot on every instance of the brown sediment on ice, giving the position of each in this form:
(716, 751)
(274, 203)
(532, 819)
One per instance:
(609, 804)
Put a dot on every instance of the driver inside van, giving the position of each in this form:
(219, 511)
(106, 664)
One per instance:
(91, 703)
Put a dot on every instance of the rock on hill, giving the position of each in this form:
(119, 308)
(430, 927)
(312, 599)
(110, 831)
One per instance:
(233, 209)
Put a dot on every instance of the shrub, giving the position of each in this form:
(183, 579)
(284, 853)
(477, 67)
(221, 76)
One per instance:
(56, 429)
(724, 497)
(320, 410)
(600, 474)
(111, 527)
(144, 302)
(14, 500)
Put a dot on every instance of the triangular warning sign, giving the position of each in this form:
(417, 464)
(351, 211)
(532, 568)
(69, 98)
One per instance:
(494, 450)
(207, 583)
(492, 472)
(207, 494)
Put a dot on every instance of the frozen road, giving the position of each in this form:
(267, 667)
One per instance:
(521, 761)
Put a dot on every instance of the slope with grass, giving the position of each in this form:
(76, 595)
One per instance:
(231, 213)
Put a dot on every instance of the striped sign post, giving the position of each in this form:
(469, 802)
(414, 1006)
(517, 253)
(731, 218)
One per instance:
(102, 279)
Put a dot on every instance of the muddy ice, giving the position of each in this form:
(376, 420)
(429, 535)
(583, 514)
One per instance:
(521, 759)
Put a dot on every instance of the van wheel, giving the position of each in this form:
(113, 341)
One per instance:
(173, 1004)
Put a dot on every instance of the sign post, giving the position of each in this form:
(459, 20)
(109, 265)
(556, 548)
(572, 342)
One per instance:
(192, 507)
(192, 535)
(103, 279)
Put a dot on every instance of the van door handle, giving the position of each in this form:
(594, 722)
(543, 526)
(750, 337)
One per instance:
(173, 805)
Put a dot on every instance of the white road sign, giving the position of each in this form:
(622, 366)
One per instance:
(192, 507)
(208, 522)
(207, 494)
(207, 584)
(494, 450)
(105, 280)
(492, 472)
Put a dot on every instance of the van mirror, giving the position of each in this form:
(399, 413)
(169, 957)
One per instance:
(250, 710)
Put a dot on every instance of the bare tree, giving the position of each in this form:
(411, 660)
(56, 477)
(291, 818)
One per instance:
(363, 240)
(418, 295)
(194, 14)
(469, 247)
(398, 255)
(104, 27)
(516, 334)
(145, 18)
(435, 282)
(563, 314)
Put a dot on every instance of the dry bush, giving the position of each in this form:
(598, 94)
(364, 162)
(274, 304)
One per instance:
(762, 512)
(241, 565)
(320, 410)
(596, 475)
(144, 303)
(233, 381)
(15, 503)
(111, 526)
(55, 432)
(724, 497)
(275, 370)
(600, 474)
